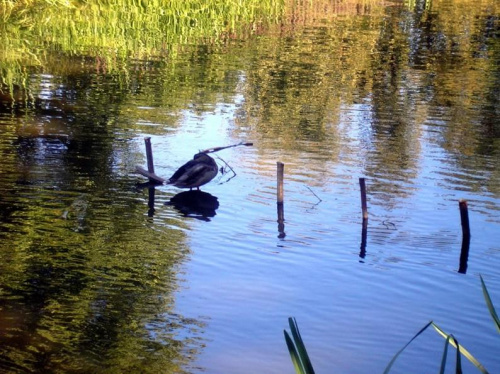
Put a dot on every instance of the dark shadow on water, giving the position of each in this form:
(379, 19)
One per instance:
(196, 204)
(364, 234)
(464, 220)
(151, 201)
(151, 195)
(281, 221)
(464, 254)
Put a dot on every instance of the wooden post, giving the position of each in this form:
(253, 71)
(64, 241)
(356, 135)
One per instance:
(281, 169)
(279, 200)
(149, 155)
(364, 227)
(464, 251)
(150, 173)
(363, 198)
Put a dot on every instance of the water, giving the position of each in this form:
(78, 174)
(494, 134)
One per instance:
(93, 280)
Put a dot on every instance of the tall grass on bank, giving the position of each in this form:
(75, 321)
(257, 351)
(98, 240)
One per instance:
(128, 25)
(115, 31)
(302, 363)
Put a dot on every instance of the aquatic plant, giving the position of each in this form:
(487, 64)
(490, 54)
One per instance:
(112, 34)
(302, 363)
(297, 349)
(127, 28)
(489, 304)
(449, 340)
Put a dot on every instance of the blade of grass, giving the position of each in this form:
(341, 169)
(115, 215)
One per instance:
(489, 304)
(445, 354)
(463, 351)
(299, 369)
(388, 368)
(301, 348)
(458, 366)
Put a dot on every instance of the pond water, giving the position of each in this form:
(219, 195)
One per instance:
(93, 279)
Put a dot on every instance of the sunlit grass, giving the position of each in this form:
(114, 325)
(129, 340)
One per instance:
(449, 340)
(489, 304)
(116, 31)
(302, 363)
(147, 26)
(297, 349)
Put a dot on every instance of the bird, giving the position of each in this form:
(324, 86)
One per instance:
(195, 173)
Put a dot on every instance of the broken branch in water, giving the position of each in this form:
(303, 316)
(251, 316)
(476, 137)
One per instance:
(152, 176)
(223, 172)
(216, 149)
(317, 197)
(222, 169)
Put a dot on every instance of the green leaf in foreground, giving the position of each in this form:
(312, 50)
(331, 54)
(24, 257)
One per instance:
(449, 340)
(445, 355)
(461, 349)
(388, 368)
(297, 349)
(299, 369)
(458, 367)
(303, 365)
(489, 304)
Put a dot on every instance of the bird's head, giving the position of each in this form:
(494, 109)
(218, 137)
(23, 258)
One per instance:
(200, 156)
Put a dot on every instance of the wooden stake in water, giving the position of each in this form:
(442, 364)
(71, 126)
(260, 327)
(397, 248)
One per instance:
(464, 251)
(149, 155)
(279, 200)
(150, 173)
(363, 198)
(281, 170)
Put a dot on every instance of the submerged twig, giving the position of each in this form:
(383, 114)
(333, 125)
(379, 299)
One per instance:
(389, 225)
(317, 197)
(222, 170)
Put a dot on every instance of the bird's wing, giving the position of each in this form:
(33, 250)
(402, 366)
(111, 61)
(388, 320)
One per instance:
(182, 170)
(192, 175)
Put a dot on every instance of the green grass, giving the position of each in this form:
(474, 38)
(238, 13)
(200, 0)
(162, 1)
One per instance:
(303, 365)
(297, 349)
(116, 31)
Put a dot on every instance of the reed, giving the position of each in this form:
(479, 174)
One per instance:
(128, 26)
(302, 363)
(297, 349)
(115, 31)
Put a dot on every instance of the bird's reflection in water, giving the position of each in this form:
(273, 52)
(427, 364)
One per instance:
(197, 204)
